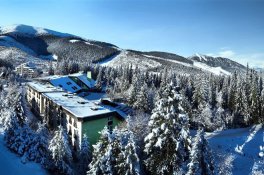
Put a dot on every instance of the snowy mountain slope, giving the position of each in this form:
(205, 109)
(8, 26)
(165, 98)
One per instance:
(30, 30)
(41, 43)
(214, 70)
(147, 60)
(129, 58)
(237, 150)
(8, 41)
(225, 63)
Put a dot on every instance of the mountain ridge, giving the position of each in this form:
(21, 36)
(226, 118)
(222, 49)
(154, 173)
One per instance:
(38, 43)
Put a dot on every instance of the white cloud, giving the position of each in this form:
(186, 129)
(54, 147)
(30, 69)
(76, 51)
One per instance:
(226, 53)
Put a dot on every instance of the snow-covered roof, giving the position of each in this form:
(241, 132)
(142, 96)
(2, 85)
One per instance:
(79, 107)
(44, 87)
(66, 83)
(89, 82)
(62, 80)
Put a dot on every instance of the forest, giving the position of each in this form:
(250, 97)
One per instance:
(165, 133)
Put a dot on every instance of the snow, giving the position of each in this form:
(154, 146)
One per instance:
(76, 105)
(11, 164)
(174, 61)
(84, 79)
(215, 70)
(74, 40)
(237, 150)
(8, 41)
(201, 57)
(49, 57)
(86, 42)
(44, 87)
(30, 30)
(57, 80)
(130, 59)
(66, 83)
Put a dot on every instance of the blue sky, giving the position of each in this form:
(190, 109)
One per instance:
(230, 28)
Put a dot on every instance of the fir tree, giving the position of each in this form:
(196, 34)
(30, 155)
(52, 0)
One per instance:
(166, 146)
(85, 155)
(60, 151)
(201, 161)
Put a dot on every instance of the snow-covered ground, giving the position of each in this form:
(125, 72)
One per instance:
(237, 150)
(214, 70)
(10, 163)
(125, 57)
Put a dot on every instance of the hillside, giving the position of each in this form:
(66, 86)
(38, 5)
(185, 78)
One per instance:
(23, 43)
(237, 150)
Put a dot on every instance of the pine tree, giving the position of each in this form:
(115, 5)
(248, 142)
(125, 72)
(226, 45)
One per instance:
(142, 99)
(166, 146)
(233, 93)
(201, 161)
(241, 115)
(128, 160)
(99, 80)
(254, 99)
(115, 153)
(60, 151)
(132, 94)
(104, 155)
(85, 155)
(199, 94)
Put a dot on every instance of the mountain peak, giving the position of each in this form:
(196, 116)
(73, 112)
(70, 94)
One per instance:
(201, 57)
(30, 30)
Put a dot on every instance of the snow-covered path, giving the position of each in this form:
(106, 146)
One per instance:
(10, 163)
(237, 150)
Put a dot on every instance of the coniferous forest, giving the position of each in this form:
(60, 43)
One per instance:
(164, 133)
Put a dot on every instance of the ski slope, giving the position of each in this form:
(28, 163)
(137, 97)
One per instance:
(237, 150)
(10, 163)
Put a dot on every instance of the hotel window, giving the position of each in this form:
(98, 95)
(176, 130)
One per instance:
(74, 87)
(110, 124)
(75, 123)
(70, 120)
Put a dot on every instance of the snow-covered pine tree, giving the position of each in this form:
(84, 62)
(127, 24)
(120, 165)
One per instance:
(99, 80)
(201, 161)
(262, 107)
(199, 94)
(104, 155)
(127, 160)
(142, 99)
(167, 144)
(254, 99)
(232, 93)
(212, 92)
(132, 95)
(85, 155)
(241, 114)
(60, 151)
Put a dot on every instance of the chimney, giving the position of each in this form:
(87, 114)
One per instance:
(89, 75)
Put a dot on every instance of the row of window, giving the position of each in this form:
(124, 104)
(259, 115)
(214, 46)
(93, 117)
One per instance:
(68, 83)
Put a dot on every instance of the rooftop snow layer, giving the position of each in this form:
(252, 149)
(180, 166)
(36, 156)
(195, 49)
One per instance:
(84, 79)
(62, 81)
(76, 105)
(41, 87)
(66, 83)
